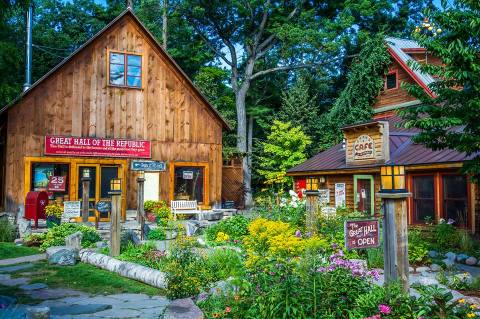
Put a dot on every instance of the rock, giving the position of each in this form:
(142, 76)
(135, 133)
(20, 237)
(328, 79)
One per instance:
(6, 301)
(78, 309)
(435, 267)
(471, 261)
(24, 227)
(422, 269)
(31, 287)
(101, 244)
(213, 216)
(74, 240)
(38, 313)
(464, 277)
(61, 255)
(427, 281)
(410, 269)
(18, 241)
(461, 258)
(449, 263)
(432, 254)
(183, 309)
(129, 235)
(451, 256)
(15, 268)
(7, 280)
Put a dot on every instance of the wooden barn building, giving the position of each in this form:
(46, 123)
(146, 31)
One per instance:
(118, 100)
(348, 174)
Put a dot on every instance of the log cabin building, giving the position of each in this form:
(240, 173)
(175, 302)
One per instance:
(117, 100)
(348, 174)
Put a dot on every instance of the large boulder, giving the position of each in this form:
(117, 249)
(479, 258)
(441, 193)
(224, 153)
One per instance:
(24, 227)
(471, 261)
(450, 255)
(461, 258)
(74, 240)
(183, 309)
(61, 255)
(449, 263)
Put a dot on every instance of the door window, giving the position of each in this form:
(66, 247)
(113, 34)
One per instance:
(455, 199)
(188, 183)
(423, 198)
(107, 174)
(364, 195)
(92, 193)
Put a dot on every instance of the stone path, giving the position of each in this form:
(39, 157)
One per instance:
(24, 259)
(74, 304)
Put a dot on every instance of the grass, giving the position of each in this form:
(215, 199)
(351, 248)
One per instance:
(86, 278)
(19, 294)
(10, 250)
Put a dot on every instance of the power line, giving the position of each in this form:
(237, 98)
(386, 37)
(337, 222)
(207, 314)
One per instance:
(48, 52)
(47, 47)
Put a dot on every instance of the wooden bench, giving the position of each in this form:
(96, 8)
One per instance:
(185, 207)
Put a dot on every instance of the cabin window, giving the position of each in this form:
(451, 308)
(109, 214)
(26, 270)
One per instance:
(125, 69)
(423, 198)
(50, 177)
(189, 183)
(312, 184)
(455, 199)
(391, 80)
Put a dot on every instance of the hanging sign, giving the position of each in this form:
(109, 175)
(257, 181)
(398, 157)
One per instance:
(340, 194)
(187, 174)
(364, 148)
(57, 183)
(148, 166)
(362, 234)
(71, 209)
(97, 147)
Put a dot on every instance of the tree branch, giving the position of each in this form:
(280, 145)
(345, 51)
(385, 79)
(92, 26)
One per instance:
(211, 46)
(268, 40)
(296, 67)
(262, 25)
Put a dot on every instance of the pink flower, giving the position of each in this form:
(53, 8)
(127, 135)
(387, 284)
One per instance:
(384, 309)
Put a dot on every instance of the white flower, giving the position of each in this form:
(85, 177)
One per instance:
(294, 204)
(292, 193)
(441, 221)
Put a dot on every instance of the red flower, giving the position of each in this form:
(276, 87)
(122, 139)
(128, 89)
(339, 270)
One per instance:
(228, 309)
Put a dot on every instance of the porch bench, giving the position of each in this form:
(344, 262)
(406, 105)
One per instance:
(186, 207)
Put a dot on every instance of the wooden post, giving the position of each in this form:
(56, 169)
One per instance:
(140, 208)
(115, 228)
(85, 198)
(312, 208)
(395, 234)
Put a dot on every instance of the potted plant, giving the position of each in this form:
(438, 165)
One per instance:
(148, 207)
(53, 213)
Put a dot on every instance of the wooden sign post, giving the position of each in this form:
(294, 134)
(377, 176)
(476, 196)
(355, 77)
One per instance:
(395, 232)
(115, 227)
(140, 201)
(85, 194)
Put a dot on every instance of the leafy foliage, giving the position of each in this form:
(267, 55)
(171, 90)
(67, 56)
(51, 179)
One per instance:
(285, 147)
(448, 115)
(7, 230)
(56, 235)
(235, 228)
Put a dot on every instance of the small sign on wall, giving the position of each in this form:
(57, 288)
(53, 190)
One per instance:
(324, 197)
(71, 209)
(57, 184)
(340, 194)
(364, 148)
(148, 166)
(362, 234)
(187, 174)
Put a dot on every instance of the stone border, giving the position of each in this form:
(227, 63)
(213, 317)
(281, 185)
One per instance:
(126, 269)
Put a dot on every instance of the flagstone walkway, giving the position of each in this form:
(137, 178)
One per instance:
(24, 259)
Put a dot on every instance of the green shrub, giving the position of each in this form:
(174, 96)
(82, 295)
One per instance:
(35, 240)
(7, 230)
(234, 227)
(225, 262)
(149, 205)
(56, 235)
(375, 257)
(157, 234)
(417, 248)
(145, 255)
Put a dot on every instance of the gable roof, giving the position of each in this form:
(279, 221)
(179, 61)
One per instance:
(403, 151)
(126, 12)
(397, 48)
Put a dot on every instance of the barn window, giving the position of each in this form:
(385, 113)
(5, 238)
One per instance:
(391, 80)
(125, 69)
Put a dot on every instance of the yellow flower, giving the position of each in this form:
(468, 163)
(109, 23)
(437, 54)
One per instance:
(474, 306)
(461, 300)
(470, 315)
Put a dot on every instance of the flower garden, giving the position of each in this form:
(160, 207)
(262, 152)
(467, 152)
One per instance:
(269, 264)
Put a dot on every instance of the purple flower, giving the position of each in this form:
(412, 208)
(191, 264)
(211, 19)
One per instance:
(309, 234)
(451, 221)
(334, 246)
(384, 309)
(298, 233)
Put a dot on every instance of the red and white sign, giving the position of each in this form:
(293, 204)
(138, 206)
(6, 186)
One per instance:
(361, 234)
(363, 148)
(96, 147)
(56, 183)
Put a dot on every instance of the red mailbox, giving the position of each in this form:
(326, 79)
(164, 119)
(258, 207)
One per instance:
(35, 206)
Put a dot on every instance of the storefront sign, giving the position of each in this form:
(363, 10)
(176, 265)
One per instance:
(340, 194)
(103, 206)
(363, 148)
(57, 183)
(148, 166)
(362, 234)
(187, 175)
(98, 147)
(323, 197)
(71, 209)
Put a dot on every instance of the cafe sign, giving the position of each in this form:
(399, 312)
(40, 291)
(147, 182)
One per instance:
(96, 147)
(364, 148)
(362, 234)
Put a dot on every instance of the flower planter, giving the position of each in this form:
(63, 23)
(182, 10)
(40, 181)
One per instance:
(151, 217)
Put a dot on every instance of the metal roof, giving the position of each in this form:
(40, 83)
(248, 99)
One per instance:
(403, 151)
(126, 12)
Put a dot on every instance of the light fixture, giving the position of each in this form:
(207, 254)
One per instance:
(312, 184)
(115, 186)
(86, 173)
(141, 174)
(321, 180)
(392, 178)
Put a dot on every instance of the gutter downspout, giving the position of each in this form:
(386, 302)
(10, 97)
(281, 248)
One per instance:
(28, 50)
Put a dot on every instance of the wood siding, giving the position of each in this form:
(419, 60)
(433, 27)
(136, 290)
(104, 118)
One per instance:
(75, 100)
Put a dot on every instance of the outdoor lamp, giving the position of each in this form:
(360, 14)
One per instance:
(392, 178)
(321, 179)
(115, 186)
(312, 184)
(141, 174)
(86, 173)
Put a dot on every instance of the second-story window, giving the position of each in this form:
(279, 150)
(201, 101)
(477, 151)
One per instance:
(391, 80)
(125, 69)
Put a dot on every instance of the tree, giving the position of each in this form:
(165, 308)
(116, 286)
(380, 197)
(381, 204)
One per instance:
(354, 104)
(449, 115)
(285, 147)
(256, 38)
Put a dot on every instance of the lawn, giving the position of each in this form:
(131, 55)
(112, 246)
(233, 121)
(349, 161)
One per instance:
(10, 250)
(86, 278)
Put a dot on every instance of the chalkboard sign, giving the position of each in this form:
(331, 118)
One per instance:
(228, 204)
(103, 206)
(148, 166)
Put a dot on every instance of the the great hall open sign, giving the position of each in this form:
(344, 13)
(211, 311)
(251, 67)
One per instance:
(361, 234)
(96, 147)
